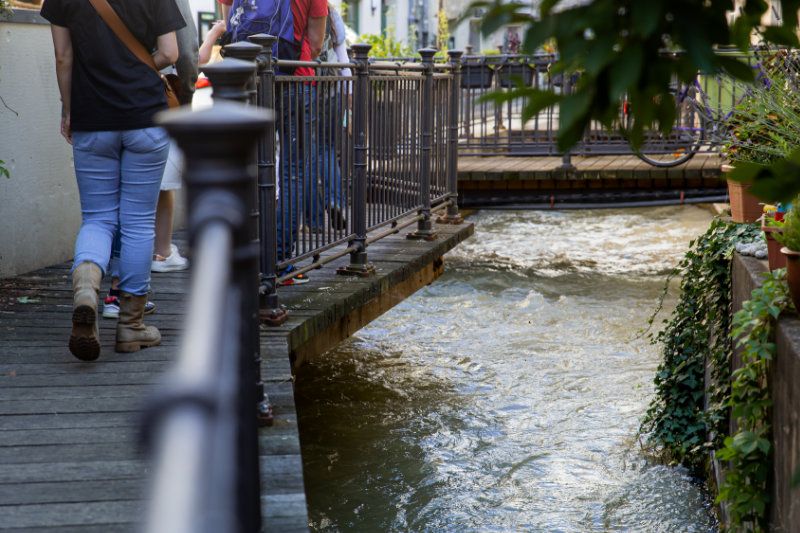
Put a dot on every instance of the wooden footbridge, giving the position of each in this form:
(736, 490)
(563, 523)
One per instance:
(595, 181)
(200, 434)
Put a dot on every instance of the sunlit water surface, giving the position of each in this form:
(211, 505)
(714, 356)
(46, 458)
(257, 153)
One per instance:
(507, 395)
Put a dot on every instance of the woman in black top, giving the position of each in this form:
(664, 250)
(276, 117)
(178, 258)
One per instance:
(108, 99)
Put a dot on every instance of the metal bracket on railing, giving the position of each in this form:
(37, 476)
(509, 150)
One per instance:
(165, 402)
(360, 266)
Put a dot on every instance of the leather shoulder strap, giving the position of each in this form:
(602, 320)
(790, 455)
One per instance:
(122, 32)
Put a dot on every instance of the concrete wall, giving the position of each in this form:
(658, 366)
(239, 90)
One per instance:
(784, 383)
(39, 205)
(39, 209)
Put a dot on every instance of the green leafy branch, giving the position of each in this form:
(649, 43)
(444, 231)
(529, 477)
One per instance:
(749, 450)
(3, 170)
(638, 49)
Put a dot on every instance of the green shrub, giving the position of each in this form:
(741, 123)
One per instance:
(765, 125)
(386, 45)
(790, 237)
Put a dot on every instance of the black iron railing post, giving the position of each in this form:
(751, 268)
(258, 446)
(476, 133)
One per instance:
(230, 80)
(245, 51)
(271, 312)
(218, 144)
(566, 161)
(452, 216)
(425, 225)
(359, 264)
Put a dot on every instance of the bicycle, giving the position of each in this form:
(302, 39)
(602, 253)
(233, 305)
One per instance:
(699, 122)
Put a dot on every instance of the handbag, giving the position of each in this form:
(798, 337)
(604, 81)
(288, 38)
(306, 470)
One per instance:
(172, 84)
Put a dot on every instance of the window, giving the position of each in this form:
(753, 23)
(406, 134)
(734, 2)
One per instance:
(350, 10)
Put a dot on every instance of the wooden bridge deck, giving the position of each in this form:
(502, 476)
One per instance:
(521, 168)
(540, 182)
(68, 454)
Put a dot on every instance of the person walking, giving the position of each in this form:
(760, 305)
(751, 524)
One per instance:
(109, 97)
(166, 256)
(307, 20)
(331, 129)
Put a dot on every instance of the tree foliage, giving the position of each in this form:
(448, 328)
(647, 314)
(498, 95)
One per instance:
(619, 47)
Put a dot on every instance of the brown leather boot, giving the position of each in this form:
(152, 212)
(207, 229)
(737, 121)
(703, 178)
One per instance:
(132, 334)
(84, 342)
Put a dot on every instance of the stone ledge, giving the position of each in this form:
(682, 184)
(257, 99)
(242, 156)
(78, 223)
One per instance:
(784, 382)
(330, 308)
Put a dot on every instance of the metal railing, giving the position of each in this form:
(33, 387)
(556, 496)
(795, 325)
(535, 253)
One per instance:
(366, 155)
(350, 159)
(202, 427)
(490, 127)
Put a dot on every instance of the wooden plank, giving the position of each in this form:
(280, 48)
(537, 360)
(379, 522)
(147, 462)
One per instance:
(71, 471)
(72, 514)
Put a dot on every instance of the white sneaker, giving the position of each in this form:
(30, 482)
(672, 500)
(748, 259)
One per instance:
(173, 263)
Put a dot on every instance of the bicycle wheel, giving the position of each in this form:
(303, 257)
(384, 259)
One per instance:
(682, 142)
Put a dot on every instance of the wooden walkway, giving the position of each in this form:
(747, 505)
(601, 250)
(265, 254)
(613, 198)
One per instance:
(599, 181)
(535, 168)
(68, 455)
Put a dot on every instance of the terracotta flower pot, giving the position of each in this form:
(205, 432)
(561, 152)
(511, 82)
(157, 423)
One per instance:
(744, 206)
(793, 274)
(774, 256)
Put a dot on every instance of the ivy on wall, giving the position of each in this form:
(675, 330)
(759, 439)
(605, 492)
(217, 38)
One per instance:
(678, 427)
(689, 417)
(748, 451)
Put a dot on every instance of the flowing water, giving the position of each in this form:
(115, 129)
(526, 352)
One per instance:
(507, 395)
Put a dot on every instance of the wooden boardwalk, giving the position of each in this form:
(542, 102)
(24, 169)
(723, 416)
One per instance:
(69, 461)
(630, 167)
(535, 182)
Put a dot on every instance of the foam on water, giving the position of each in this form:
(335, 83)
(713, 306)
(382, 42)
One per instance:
(507, 395)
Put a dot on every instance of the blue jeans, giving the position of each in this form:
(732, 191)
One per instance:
(305, 156)
(325, 165)
(298, 164)
(119, 175)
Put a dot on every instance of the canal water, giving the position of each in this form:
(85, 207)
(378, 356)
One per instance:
(507, 395)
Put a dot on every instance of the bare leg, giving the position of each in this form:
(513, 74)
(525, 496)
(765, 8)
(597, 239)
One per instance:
(164, 211)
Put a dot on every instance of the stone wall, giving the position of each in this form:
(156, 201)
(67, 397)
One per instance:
(39, 205)
(785, 386)
(39, 209)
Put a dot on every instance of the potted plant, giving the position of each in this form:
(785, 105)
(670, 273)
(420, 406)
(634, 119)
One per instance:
(476, 73)
(744, 206)
(762, 129)
(513, 70)
(790, 239)
(771, 227)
